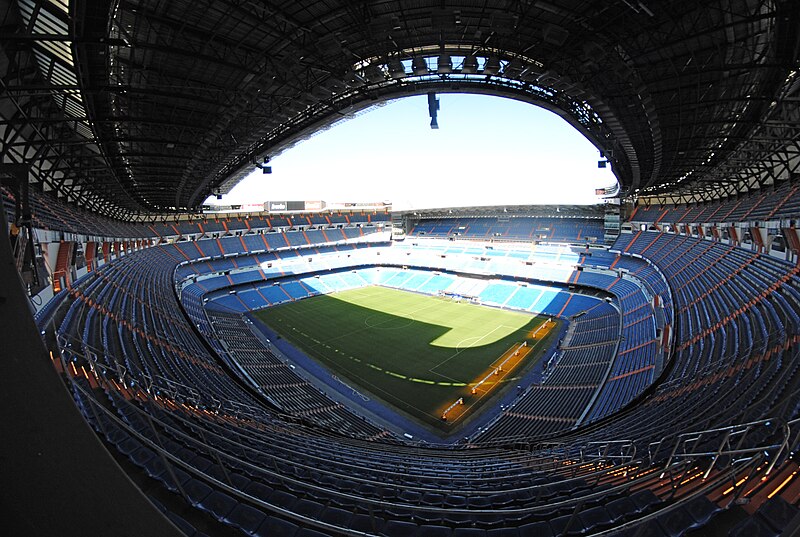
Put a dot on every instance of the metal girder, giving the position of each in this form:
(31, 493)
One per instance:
(682, 98)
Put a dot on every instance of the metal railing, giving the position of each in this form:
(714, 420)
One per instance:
(729, 442)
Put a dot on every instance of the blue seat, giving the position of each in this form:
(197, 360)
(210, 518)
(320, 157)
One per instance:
(502, 532)
(702, 510)
(282, 499)
(180, 476)
(777, 513)
(308, 532)
(753, 526)
(258, 490)
(540, 529)
(201, 463)
(308, 508)
(142, 456)
(399, 528)
(272, 526)
(567, 525)
(246, 518)
(645, 500)
(218, 504)
(128, 446)
(366, 523)
(620, 509)
(469, 532)
(650, 528)
(429, 530)
(336, 516)
(155, 467)
(676, 522)
(228, 476)
(596, 518)
(196, 491)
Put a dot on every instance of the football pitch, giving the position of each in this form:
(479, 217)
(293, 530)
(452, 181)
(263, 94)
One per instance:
(419, 353)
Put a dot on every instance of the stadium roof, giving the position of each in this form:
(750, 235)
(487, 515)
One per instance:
(130, 107)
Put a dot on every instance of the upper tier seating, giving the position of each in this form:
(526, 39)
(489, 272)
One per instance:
(773, 203)
(51, 214)
(520, 228)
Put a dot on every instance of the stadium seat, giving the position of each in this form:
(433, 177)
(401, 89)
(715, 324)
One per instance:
(468, 532)
(308, 532)
(246, 518)
(196, 491)
(427, 530)
(181, 523)
(503, 532)
(541, 528)
(595, 518)
(676, 522)
(282, 499)
(336, 516)
(399, 528)
(645, 500)
(259, 490)
(702, 510)
(273, 526)
(567, 525)
(754, 527)
(219, 504)
(777, 513)
(307, 508)
(621, 508)
(366, 523)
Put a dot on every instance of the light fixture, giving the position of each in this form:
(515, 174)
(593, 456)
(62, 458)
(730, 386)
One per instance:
(396, 69)
(419, 66)
(470, 65)
(492, 66)
(445, 64)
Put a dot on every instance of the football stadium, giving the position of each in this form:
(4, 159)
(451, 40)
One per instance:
(175, 366)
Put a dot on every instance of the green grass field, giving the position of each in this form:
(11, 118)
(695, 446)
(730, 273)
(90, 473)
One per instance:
(416, 352)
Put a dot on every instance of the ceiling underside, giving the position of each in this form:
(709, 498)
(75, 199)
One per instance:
(137, 107)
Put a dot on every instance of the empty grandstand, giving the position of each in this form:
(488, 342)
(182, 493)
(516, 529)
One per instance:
(170, 370)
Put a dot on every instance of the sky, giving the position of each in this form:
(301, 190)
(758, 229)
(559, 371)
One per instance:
(487, 151)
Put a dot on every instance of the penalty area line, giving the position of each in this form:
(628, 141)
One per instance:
(459, 349)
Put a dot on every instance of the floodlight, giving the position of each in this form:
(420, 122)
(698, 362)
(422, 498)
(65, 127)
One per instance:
(445, 64)
(419, 66)
(492, 66)
(470, 65)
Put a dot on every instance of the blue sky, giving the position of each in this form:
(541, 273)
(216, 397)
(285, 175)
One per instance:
(487, 151)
